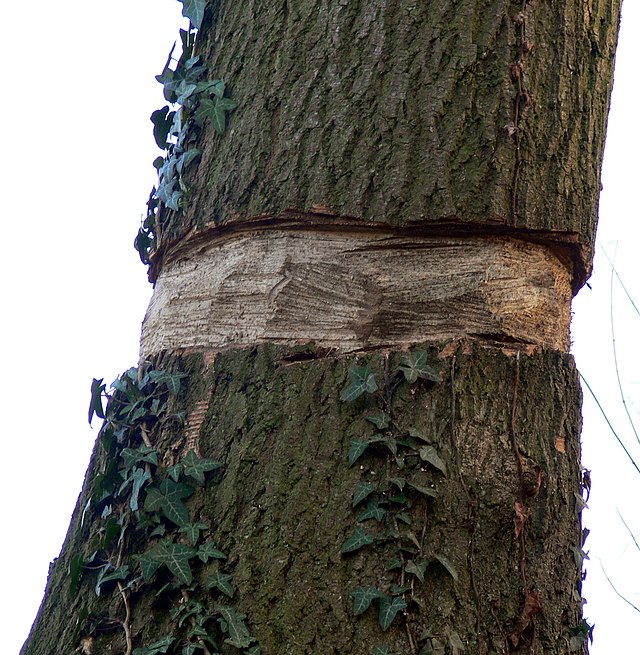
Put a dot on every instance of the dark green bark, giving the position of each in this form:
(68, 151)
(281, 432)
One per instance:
(281, 508)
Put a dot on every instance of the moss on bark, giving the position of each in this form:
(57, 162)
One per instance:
(405, 112)
(282, 509)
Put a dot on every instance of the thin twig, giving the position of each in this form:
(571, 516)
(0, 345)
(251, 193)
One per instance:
(606, 418)
(628, 529)
(615, 354)
(626, 600)
(624, 288)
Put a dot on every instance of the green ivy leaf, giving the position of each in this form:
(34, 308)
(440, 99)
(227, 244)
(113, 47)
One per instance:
(139, 477)
(209, 551)
(117, 574)
(175, 471)
(214, 109)
(430, 455)
(361, 380)
(196, 467)
(417, 568)
(414, 365)
(215, 87)
(425, 491)
(95, 405)
(356, 448)
(175, 557)
(232, 622)
(76, 568)
(398, 482)
(194, 11)
(167, 498)
(143, 455)
(222, 582)
(379, 649)
(157, 647)
(381, 420)
(192, 531)
(358, 539)
(448, 566)
(148, 566)
(172, 381)
(389, 608)
(162, 120)
(362, 491)
(372, 511)
(362, 598)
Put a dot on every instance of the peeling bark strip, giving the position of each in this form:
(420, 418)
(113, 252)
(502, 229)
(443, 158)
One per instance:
(354, 290)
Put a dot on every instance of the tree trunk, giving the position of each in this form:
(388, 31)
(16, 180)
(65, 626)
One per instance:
(367, 298)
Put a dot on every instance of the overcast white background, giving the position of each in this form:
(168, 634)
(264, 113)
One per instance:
(78, 89)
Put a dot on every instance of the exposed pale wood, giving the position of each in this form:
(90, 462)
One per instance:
(356, 290)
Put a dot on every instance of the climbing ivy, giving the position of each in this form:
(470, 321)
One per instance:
(193, 100)
(146, 537)
(390, 505)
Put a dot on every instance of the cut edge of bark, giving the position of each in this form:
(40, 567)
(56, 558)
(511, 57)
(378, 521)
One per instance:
(349, 290)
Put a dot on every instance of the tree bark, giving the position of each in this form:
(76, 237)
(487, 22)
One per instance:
(402, 204)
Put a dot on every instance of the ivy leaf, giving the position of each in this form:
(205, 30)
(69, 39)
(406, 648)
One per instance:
(363, 490)
(118, 574)
(148, 566)
(215, 87)
(175, 557)
(398, 482)
(214, 110)
(144, 454)
(209, 551)
(449, 566)
(162, 120)
(194, 11)
(232, 622)
(75, 570)
(380, 419)
(430, 455)
(157, 647)
(361, 380)
(356, 448)
(95, 406)
(414, 365)
(187, 158)
(389, 608)
(167, 498)
(362, 597)
(196, 467)
(139, 477)
(417, 568)
(192, 531)
(175, 471)
(372, 511)
(222, 582)
(425, 491)
(358, 539)
(170, 380)
(382, 650)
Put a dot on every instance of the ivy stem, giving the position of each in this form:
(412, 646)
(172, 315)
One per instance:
(126, 624)
(145, 436)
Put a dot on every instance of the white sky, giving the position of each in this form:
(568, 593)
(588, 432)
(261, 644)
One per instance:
(79, 89)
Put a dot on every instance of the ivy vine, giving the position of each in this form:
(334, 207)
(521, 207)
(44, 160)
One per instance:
(386, 505)
(193, 100)
(146, 537)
